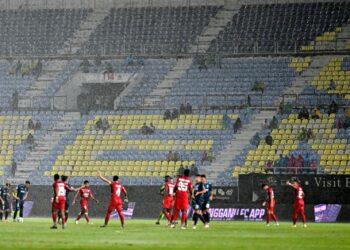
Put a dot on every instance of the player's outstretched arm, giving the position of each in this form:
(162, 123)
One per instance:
(103, 178)
(75, 197)
(93, 197)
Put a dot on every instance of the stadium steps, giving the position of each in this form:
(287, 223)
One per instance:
(87, 27)
(37, 89)
(236, 145)
(301, 81)
(44, 147)
(343, 37)
(215, 26)
(163, 88)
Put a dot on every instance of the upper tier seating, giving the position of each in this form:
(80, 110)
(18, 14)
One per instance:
(230, 83)
(37, 32)
(149, 30)
(286, 26)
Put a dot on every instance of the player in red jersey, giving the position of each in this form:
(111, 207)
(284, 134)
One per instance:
(183, 187)
(59, 199)
(270, 203)
(85, 194)
(299, 205)
(168, 199)
(116, 202)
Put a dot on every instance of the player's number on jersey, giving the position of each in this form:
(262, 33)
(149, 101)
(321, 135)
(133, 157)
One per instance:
(117, 192)
(183, 186)
(61, 191)
(300, 194)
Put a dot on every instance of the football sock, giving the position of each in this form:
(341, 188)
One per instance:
(274, 217)
(184, 217)
(63, 219)
(175, 215)
(54, 218)
(7, 214)
(195, 218)
(268, 218)
(107, 217)
(206, 217)
(121, 216)
(1, 213)
(87, 218)
(167, 215)
(295, 218)
(66, 216)
(303, 217)
(201, 217)
(79, 216)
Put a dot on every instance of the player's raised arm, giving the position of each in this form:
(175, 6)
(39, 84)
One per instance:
(103, 178)
(292, 184)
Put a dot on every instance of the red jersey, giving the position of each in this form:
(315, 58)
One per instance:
(270, 194)
(299, 195)
(60, 189)
(183, 187)
(116, 190)
(85, 194)
(169, 190)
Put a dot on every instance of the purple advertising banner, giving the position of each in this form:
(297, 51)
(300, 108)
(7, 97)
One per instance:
(229, 214)
(327, 212)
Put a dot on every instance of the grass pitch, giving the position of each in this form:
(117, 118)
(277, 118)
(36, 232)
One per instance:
(144, 234)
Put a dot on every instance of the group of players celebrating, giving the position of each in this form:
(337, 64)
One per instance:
(298, 207)
(178, 197)
(59, 199)
(17, 197)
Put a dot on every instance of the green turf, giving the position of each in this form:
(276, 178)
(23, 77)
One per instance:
(142, 234)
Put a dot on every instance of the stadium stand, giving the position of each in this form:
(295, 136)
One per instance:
(230, 83)
(285, 27)
(150, 30)
(123, 149)
(219, 86)
(37, 32)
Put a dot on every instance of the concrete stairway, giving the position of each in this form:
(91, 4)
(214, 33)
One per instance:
(236, 145)
(87, 27)
(44, 146)
(71, 46)
(340, 42)
(343, 38)
(48, 74)
(302, 81)
(215, 26)
(163, 88)
(202, 44)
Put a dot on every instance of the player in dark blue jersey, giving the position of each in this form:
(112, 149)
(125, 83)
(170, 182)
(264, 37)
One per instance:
(197, 201)
(4, 202)
(20, 196)
(207, 197)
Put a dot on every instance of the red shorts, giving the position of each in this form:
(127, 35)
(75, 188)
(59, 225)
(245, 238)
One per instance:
(115, 204)
(298, 207)
(60, 204)
(84, 205)
(181, 204)
(270, 206)
(168, 203)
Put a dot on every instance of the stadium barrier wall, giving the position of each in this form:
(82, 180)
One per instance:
(102, 4)
(231, 203)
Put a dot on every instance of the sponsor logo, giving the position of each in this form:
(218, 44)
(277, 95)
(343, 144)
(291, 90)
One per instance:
(248, 214)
